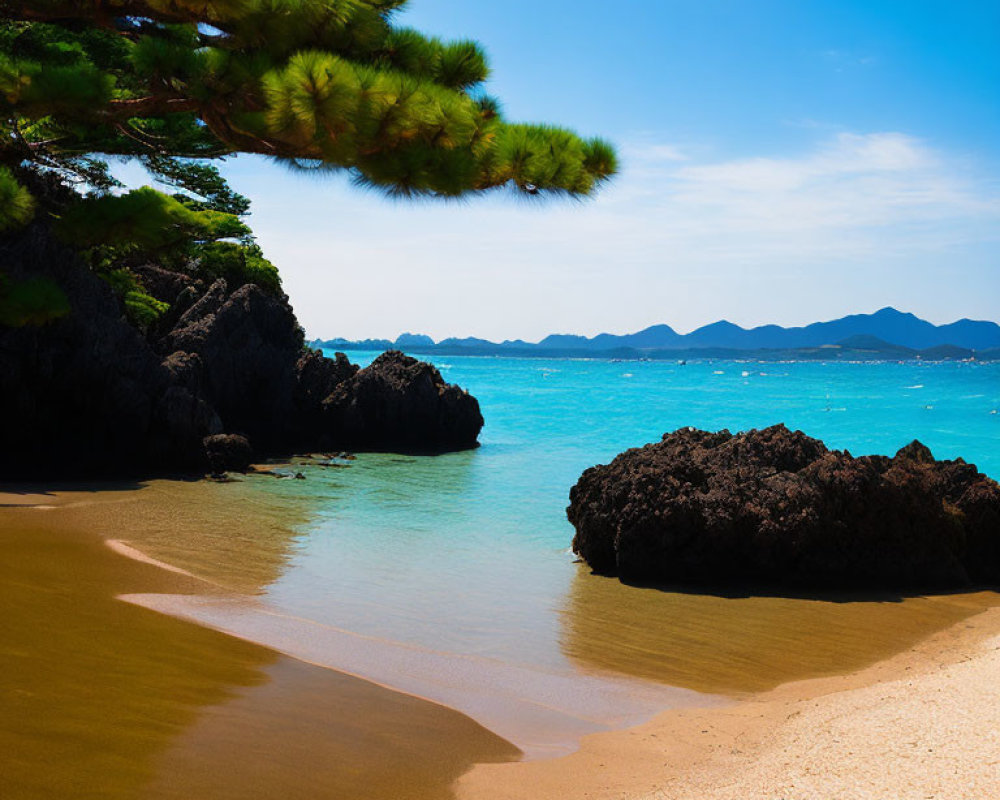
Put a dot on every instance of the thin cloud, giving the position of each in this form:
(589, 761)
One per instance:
(845, 59)
(852, 182)
(857, 220)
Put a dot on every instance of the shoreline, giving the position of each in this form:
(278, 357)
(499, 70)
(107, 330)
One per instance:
(103, 697)
(760, 746)
(540, 711)
(830, 737)
(710, 744)
(544, 713)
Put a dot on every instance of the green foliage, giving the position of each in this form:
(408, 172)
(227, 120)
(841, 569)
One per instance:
(145, 225)
(334, 84)
(145, 219)
(17, 206)
(238, 264)
(33, 301)
(141, 308)
(334, 81)
(199, 179)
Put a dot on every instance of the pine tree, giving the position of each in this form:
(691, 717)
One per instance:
(173, 84)
(320, 84)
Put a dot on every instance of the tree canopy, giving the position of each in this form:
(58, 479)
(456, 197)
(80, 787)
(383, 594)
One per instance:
(175, 84)
(323, 84)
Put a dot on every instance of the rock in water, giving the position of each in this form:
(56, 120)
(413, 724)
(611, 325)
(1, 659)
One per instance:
(774, 507)
(399, 402)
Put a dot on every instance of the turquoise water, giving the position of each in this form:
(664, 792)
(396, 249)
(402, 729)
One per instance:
(468, 552)
(450, 577)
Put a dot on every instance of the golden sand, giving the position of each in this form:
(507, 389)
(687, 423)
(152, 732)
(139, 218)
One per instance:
(738, 645)
(922, 724)
(102, 699)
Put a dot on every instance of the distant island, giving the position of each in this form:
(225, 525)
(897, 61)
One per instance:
(886, 335)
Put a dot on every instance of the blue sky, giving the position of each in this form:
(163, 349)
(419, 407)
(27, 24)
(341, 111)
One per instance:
(781, 162)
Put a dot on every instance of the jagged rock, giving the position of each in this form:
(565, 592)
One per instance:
(228, 452)
(115, 401)
(776, 507)
(398, 402)
(916, 451)
(185, 369)
(84, 386)
(185, 300)
(164, 284)
(249, 343)
(203, 309)
(316, 379)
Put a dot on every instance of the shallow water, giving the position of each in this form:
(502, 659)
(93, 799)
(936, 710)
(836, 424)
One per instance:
(467, 554)
(101, 699)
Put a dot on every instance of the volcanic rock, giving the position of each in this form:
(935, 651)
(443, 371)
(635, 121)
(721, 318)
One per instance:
(775, 507)
(399, 402)
(113, 400)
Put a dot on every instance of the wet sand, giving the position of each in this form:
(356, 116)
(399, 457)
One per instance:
(740, 645)
(240, 536)
(103, 699)
(922, 724)
(129, 703)
(543, 712)
(637, 652)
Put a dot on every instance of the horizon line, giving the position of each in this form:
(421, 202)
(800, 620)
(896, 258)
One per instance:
(660, 324)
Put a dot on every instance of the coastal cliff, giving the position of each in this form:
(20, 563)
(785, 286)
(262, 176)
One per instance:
(93, 393)
(775, 507)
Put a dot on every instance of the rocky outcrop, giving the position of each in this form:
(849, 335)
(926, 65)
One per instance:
(775, 507)
(165, 284)
(318, 377)
(248, 343)
(89, 394)
(398, 401)
(85, 391)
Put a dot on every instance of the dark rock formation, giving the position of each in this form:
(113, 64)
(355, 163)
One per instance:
(164, 284)
(89, 394)
(228, 452)
(776, 507)
(85, 391)
(399, 401)
(248, 343)
(318, 376)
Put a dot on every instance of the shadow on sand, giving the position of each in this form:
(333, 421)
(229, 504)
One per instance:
(734, 640)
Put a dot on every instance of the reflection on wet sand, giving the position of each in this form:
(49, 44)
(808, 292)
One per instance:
(239, 535)
(103, 699)
(544, 712)
(313, 733)
(733, 645)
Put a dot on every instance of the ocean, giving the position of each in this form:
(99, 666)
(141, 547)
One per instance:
(451, 576)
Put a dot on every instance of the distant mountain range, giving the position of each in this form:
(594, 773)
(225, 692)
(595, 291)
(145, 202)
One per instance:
(887, 333)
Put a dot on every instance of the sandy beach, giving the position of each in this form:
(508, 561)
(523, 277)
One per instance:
(922, 723)
(102, 699)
